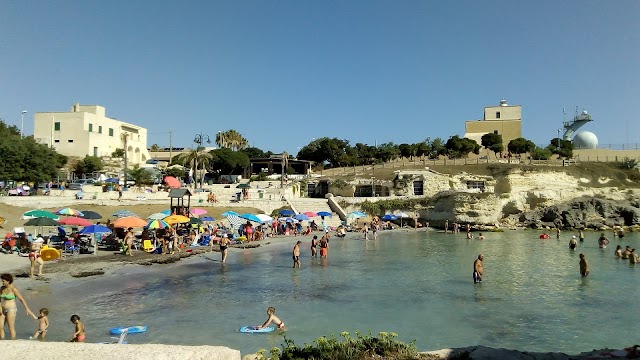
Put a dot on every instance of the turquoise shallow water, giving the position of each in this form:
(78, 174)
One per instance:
(415, 284)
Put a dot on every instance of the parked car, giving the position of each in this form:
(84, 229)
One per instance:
(85, 181)
(75, 186)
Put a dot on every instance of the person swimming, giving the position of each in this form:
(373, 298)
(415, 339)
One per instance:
(573, 243)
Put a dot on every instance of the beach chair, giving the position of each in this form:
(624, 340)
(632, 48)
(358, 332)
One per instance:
(147, 246)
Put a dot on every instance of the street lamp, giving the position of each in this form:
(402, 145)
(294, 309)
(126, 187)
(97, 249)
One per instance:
(558, 147)
(22, 123)
(199, 139)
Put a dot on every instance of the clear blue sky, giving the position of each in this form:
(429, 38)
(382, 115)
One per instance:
(284, 72)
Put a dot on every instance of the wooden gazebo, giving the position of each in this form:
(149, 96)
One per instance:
(179, 194)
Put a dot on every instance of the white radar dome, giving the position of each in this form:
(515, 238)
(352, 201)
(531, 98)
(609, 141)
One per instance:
(585, 140)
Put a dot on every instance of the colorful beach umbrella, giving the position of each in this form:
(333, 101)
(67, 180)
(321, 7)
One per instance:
(310, 214)
(166, 212)
(157, 224)
(39, 213)
(95, 229)
(129, 221)
(69, 211)
(176, 219)
(324, 213)
(74, 221)
(157, 216)
(198, 211)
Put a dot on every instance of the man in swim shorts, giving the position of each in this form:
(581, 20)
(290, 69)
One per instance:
(296, 254)
(478, 270)
(584, 267)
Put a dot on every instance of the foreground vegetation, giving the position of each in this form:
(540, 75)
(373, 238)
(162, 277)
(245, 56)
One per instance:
(361, 347)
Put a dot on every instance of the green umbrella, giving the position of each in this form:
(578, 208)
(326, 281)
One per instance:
(38, 214)
(244, 186)
(195, 220)
(41, 221)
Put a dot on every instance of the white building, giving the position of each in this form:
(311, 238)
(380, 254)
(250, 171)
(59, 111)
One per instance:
(86, 130)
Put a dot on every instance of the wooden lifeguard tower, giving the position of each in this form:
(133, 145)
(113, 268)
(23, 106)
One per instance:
(180, 208)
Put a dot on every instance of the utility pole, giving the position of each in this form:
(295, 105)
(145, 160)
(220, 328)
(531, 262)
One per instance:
(125, 137)
(170, 146)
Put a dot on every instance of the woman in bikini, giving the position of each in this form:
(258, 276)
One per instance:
(8, 296)
(34, 257)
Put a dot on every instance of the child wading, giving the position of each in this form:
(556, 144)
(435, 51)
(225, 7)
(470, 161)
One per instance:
(79, 335)
(271, 311)
(43, 324)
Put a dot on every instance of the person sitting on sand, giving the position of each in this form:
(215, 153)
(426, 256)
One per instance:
(271, 312)
(79, 334)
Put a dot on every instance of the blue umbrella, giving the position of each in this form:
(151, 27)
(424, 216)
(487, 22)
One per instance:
(95, 229)
(301, 217)
(166, 212)
(389, 217)
(356, 214)
(287, 212)
(251, 217)
(288, 219)
(208, 218)
(112, 180)
(324, 213)
(228, 213)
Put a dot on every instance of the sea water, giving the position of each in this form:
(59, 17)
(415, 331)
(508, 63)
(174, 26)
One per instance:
(416, 284)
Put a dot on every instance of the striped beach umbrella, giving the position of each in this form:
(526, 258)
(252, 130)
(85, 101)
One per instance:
(157, 224)
(69, 211)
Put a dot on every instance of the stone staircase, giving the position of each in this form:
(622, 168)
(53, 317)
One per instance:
(310, 204)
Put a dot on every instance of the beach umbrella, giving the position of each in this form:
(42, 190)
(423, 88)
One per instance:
(243, 186)
(198, 211)
(356, 215)
(208, 218)
(157, 224)
(41, 221)
(195, 221)
(401, 215)
(69, 211)
(288, 219)
(129, 222)
(74, 221)
(389, 217)
(264, 218)
(229, 213)
(88, 214)
(95, 229)
(234, 220)
(301, 217)
(39, 213)
(324, 213)
(176, 219)
(166, 212)
(251, 217)
(172, 182)
(286, 212)
(112, 180)
(310, 214)
(123, 213)
(157, 216)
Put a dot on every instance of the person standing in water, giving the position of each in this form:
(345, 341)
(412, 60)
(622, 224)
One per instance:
(314, 245)
(573, 243)
(296, 255)
(603, 241)
(584, 267)
(224, 244)
(478, 270)
(581, 235)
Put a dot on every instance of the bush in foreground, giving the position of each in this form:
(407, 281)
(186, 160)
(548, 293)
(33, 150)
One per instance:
(362, 347)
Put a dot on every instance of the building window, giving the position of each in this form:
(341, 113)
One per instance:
(99, 129)
(56, 126)
(95, 151)
(476, 185)
(497, 114)
(90, 127)
(110, 132)
(56, 141)
(70, 140)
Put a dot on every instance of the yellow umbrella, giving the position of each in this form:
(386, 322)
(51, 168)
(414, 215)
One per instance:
(176, 219)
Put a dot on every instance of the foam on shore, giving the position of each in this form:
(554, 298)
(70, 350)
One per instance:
(20, 349)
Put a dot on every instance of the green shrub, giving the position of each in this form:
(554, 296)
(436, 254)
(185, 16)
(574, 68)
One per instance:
(359, 348)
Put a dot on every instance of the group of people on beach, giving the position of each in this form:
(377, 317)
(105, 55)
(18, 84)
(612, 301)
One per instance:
(9, 293)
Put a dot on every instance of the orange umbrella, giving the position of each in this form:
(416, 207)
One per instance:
(129, 222)
(75, 221)
(176, 219)
(172, 182)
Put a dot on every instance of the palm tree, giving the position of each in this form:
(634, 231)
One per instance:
(195, 156)
(231, 139)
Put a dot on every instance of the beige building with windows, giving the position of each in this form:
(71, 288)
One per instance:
(86, 130)
(503, 119)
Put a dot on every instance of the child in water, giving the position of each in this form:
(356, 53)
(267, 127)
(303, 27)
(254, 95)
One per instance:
(43, 324)
(79, 335)
(272, 317)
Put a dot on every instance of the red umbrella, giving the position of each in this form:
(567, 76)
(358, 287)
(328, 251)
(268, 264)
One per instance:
(172, 182)
(75, 221)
